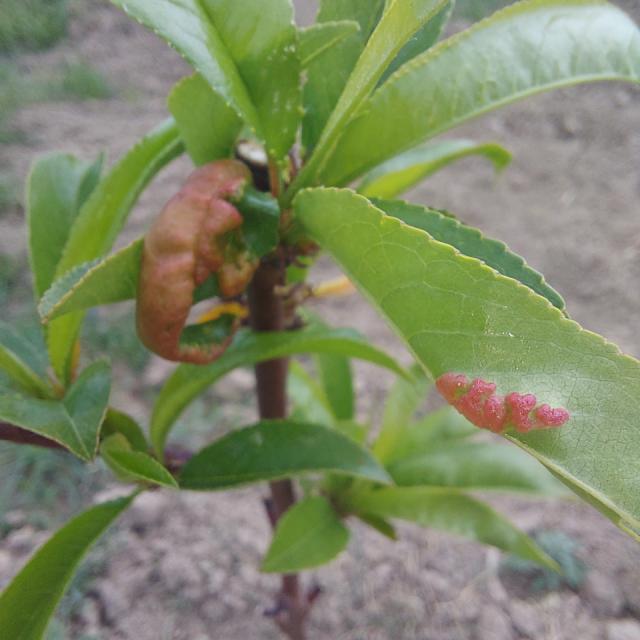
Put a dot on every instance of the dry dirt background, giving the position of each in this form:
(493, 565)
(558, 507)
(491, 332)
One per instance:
(184, 567)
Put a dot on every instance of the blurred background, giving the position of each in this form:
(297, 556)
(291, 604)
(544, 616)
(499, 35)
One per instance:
(78, 76)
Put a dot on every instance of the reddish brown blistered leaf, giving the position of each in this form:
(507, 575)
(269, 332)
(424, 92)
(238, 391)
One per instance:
(190, 240)
(478, 403)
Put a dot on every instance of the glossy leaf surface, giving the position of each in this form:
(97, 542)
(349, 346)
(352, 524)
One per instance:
(525, 49)
(207, 125)
(308, 535)
(74, 421)
(100, 221)
(95, 283)
(277, 449)
(188, 381)
(405, 171)
(473, 243)
(29, 601)
(452, 511)
(458, 315)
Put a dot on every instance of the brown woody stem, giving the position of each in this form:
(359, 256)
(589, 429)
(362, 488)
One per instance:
(267, 314)
(11, 433)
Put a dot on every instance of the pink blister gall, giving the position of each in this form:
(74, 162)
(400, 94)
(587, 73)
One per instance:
(547, 417)
(451, 386)
(495, 414)
(519, 407)
(477, 402)
(471, 404)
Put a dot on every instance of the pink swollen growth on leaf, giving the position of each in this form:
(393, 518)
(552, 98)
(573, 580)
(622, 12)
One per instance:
(477, 402)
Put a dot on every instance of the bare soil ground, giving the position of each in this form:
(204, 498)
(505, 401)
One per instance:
(185, 567)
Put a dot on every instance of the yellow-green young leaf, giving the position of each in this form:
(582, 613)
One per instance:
(328, 73)
(57, 186)
(100, 221)
(188, 381)
(400, 20)
(275, 449)
(473, 243)
(208, 126)
(94, 283)
(394, 177)
(74, 421)
(308, 535)
(313, 41)
(449, 510)
(134, 466)
(527, 48)
(188, 27)
(29, 601)
(458, 315)
(478, 466)
(262, 40)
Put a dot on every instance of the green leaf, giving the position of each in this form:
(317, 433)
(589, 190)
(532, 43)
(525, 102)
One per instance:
(101, 220)
(188, 381)
(74, 421)
(261, 221)
(400, 405)
(22, 374)
(187, 26)
(366, 13)
(318, 38)
(307, 398)
(525, 49)
(275, 449)
(337, 381)
(262, 40)
(91, 284)
(29, 601)
(403, 172)
(328, 73)
(400, 20)
(208, 126)
(458, 315)
(479, 466)
(424, 39)
(118, 422)
(381, 525)
(134, 465)
(449, 510)
(471, 242)
(438, 428)
(57, 186)
(308, 535)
